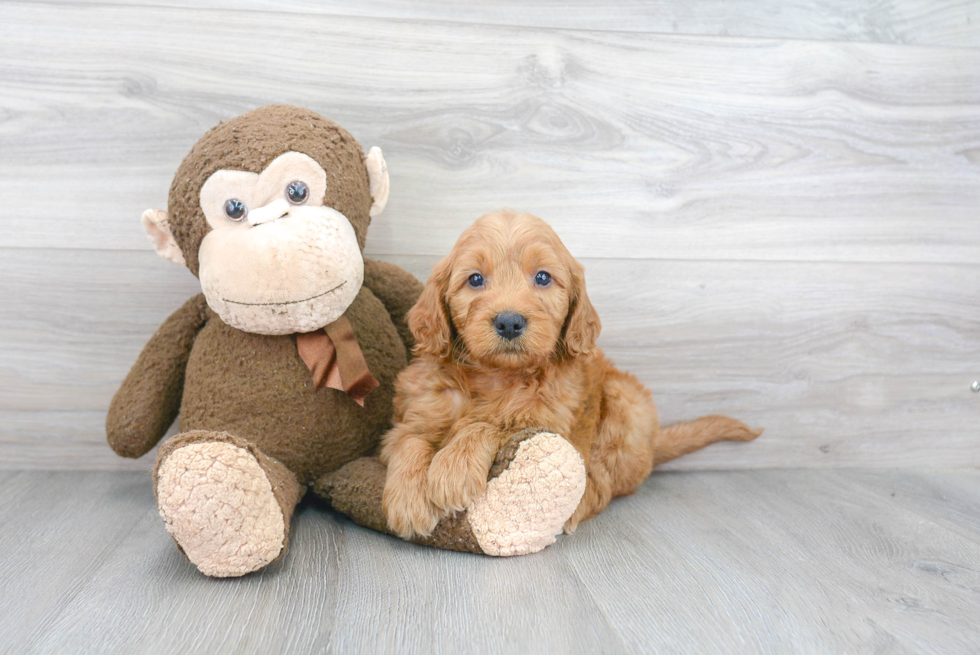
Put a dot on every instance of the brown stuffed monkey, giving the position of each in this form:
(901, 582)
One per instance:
(282, 371)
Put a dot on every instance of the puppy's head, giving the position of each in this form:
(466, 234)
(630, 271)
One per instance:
(509, 294)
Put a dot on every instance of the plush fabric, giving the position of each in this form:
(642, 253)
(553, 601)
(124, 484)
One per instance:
(148, 401)
(397, 290)
(378, 177)
(335, 359)
(302, 258)
(255, 429)
(318, 271)
(251, 142)
(258, 189)
(226, 504)
(525, 507)
(355, 490)
(156, 224)
(258, 388)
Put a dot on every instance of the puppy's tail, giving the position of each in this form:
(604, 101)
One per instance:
(683, 438)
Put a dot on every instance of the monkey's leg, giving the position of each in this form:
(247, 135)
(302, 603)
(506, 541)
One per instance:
(535, 484)
(225, 503)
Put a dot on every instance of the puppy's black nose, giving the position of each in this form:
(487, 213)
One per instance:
(509, 325)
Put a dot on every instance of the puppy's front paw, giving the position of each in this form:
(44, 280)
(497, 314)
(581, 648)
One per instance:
(457, 477)
(406, 507)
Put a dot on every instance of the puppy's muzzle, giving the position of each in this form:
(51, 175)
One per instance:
(509, 325)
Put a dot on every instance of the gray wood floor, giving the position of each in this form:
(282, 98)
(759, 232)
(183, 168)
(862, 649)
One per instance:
(738, 561)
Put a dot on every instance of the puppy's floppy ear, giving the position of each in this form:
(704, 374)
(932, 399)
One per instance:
(429, 318)
(582, 325)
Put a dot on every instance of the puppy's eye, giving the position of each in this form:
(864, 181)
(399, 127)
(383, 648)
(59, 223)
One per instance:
(297, 192)
(235, 209)
(476, 280)
(542, 279)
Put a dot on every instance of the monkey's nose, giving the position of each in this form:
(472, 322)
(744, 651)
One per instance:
(509, 325)
(274, 210)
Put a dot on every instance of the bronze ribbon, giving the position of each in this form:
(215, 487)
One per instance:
(336, 361)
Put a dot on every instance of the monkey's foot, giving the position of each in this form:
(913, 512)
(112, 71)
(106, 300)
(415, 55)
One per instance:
(219, 505)
(536, 484)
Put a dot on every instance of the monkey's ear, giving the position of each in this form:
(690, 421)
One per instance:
(378, 177)
(156, 222)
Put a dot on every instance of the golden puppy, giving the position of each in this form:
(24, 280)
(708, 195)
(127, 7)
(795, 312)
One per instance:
(505, 339)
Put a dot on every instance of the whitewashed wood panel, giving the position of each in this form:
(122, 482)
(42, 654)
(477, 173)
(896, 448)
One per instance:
(747, 561)
(845, 364)
(924, 22)
(633, 145)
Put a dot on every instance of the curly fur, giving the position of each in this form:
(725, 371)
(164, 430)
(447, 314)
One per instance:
(469, 389)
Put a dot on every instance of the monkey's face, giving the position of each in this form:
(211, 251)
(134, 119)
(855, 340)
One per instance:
(270, 210)
(276, 260)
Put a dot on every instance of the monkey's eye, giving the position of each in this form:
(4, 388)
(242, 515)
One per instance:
(236, 209)
(476, 281)
(542, 279)
(297, 192)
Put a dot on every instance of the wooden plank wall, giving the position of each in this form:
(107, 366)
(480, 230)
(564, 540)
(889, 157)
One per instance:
(778, 203)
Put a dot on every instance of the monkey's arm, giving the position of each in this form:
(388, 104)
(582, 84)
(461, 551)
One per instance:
(397, 289)
(149, 399)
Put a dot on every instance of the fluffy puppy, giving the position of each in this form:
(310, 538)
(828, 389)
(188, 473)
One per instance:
(505, 338)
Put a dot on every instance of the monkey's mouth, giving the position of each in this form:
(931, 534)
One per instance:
(287, 302)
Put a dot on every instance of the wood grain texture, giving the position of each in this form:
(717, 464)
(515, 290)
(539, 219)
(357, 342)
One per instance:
(763, 561)
(786, 562)
(845, 364)
(783, 230)
(633, 145)
(924, 22)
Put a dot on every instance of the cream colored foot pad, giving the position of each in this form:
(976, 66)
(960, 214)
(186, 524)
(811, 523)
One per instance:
(218, 504)
(526, 506)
